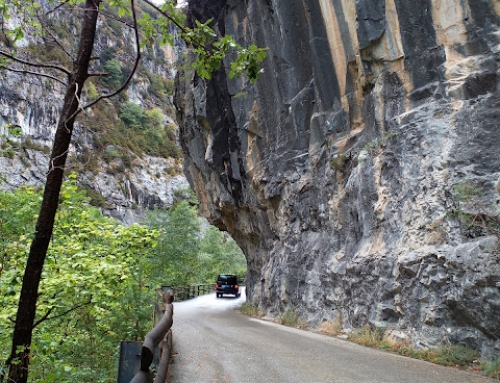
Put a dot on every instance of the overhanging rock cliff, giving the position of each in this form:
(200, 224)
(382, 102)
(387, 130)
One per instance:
(360, 174)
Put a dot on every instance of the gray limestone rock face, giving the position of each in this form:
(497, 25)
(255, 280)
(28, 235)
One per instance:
(360, 174)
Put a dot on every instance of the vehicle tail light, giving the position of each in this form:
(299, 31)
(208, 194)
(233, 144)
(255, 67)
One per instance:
(235, 286)
(216, 285)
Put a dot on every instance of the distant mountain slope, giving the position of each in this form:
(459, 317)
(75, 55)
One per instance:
(125, 149)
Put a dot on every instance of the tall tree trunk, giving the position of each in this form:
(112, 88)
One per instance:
(18, 361)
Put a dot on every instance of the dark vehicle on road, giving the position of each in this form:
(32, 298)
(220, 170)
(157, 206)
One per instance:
(227, 284)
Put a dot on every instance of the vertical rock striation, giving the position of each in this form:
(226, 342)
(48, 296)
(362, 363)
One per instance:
(360, 174)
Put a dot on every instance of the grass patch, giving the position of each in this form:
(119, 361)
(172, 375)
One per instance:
(292, 318)
(371, 336)
(457, 355)
(28, 143)
(250, 309)
(331, 327)
(448, 355)
(492, 368)
(384, 345)
(410, 352)
(289, 317)
(368, 336)
(96, 198)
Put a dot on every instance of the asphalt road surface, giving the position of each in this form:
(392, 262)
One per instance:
(215, 343)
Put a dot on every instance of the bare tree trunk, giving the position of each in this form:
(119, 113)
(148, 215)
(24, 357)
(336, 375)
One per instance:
(21, 342)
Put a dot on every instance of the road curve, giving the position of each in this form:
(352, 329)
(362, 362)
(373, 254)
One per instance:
(215, 343)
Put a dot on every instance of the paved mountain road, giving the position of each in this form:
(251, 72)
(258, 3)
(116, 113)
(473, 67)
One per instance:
(215, 343)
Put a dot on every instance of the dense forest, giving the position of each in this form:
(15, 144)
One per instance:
(99, 280)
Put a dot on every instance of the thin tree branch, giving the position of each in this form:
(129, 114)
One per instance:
(35, 74)
(57, 7)
(50, 310)
(105, 14)
(37, 65)
(183, 29)
(134, 69)
(46, 316)
(158, 9)
(99, 74)
(54, 39)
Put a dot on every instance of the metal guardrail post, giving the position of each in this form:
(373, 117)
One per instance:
(166, 349)
(153, 338)
(161, 331)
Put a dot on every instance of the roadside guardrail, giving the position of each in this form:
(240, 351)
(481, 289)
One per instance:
(183, 293)
(157, 345)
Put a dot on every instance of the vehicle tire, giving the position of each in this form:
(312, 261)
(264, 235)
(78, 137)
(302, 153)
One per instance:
(218, 295)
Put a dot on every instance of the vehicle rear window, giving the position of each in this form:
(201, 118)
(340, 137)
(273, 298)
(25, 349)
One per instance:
(227, 278)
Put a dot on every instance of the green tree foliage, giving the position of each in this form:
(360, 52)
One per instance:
(177, 246)
(155, 117)
(113, 68)
(151, 135)
(73, 74)
(220, 254)
(94, 291)
(190, 251)
(160, 86)
(133, 116)
(92, 91)
(209, 48)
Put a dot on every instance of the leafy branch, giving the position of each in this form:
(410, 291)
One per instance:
(210, 50)
(46, 317)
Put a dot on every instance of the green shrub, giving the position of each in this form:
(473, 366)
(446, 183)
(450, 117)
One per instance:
(171, 170)
(126, 160)
(250, 309)
(8, 153)
(290, 317)
(28, 143)
(114, 69)
(457, 355)
(172, 150)
(384, 345)
(15, 130)
(92, 93)
(155, 118)
(133, 116)
(492, 368)
(89, 160)
(50, 53)
(368, 336)
(107, 54)
(96, 198)
(110, 154)
(115, 25)
(160, 86)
